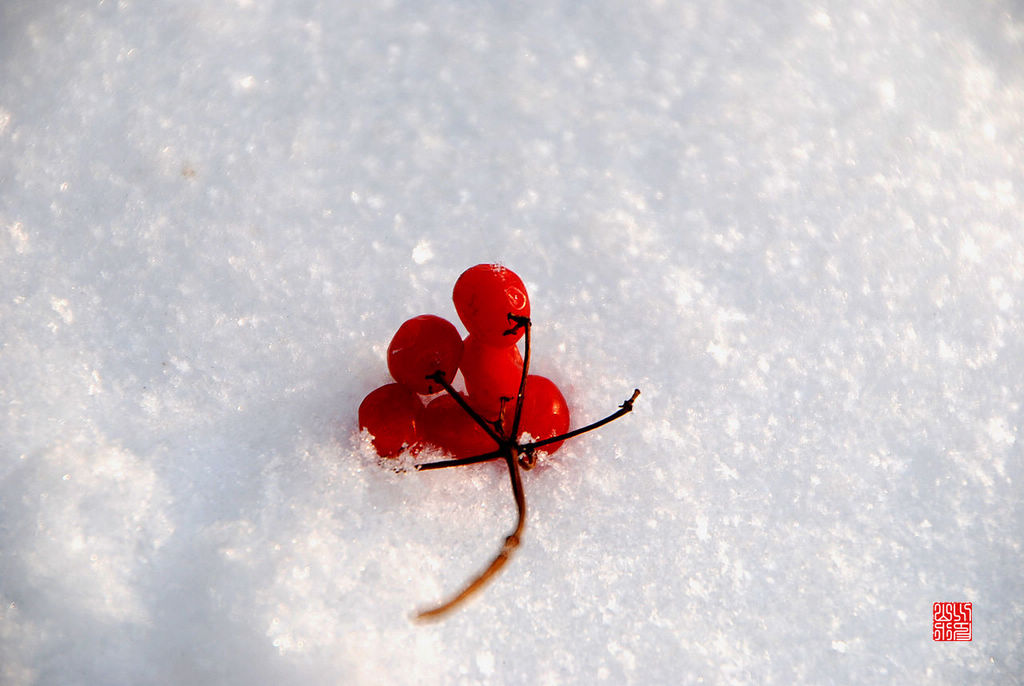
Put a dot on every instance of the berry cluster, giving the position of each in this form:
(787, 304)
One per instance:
(425, 355)
(502, 403)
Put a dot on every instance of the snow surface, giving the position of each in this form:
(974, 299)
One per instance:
(797, 226)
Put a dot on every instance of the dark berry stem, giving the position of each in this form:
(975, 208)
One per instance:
(511, 543)
(624, 408)
(438, 376)
(486, 457)
(516, 456)
(525, 323)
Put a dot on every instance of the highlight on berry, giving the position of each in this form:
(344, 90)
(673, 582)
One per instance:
(505, 413)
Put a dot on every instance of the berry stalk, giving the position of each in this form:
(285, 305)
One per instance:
(511, 543)
(624, 408)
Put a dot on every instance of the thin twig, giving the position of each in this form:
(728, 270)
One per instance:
(515, 456)
(521, 395)
(438, 376)
(460, 461)
(624, 408)
(511, 543)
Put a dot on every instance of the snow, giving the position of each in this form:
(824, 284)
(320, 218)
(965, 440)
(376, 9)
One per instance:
(795, 226)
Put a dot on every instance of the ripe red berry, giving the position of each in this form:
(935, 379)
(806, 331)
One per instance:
(422, 346)
(390, 413)
(545, 412)
(490, 374)
(484, 297)
(444, 424)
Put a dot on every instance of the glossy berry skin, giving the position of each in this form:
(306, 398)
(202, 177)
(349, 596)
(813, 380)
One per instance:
(391, 414)
(490, 374)
(422, 346)
(484, 297)
(444, 424)
(545, 412)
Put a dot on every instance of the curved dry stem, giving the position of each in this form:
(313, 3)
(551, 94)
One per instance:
(511, 543)
(516, 456)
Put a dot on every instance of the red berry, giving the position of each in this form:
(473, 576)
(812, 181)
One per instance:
(490, 374)
(422, 346)
(446, 425)
(545, 412)
(390, 414)
(484, 297)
